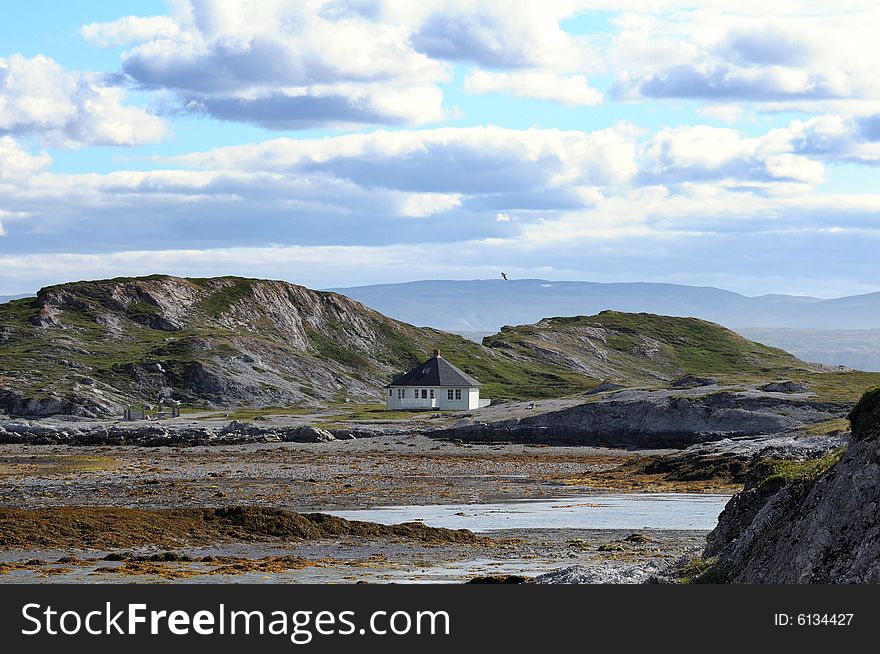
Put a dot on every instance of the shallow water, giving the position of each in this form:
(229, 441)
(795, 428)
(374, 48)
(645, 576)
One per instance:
(631, 511)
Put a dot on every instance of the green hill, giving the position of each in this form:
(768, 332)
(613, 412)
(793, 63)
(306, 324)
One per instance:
(93, 347)
(642, 347)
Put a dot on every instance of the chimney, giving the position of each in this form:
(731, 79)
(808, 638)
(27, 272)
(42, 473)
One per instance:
(437, 353)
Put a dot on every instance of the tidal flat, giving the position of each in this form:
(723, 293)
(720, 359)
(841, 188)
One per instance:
(125, 514)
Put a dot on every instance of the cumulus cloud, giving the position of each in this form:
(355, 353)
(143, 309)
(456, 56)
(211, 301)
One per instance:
(16, 163)
(463, 160)
(425, 186)
(714, 55)
(567, 89)
(290, 65)
(283, 65)
(832, 137)
(69, 109)
(327, 105)
(691, 153)
(490, 34)
(130, 29)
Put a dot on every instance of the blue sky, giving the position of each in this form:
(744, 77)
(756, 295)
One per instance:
(343, 142)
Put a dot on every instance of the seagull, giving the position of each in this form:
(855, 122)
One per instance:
(504, 275)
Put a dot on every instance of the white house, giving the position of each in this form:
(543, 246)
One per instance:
(435, 384)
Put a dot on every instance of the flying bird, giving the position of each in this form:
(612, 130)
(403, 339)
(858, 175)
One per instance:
(504, 275)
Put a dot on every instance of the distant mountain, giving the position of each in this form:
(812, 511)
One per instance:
(9, 298)
(486, 305)
(854, 348)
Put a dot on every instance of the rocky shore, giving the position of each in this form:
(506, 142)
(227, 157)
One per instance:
(656, 419)
(814, 521)
(157, 434)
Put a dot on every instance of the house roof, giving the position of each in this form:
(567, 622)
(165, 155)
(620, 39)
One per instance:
(436, 371)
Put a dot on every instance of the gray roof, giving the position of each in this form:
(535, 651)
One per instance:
(436, 371)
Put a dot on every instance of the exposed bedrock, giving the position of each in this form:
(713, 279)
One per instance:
(233, 433)
(815, 522)
(654, 419)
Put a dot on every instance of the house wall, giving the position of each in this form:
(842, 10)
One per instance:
(470, 398)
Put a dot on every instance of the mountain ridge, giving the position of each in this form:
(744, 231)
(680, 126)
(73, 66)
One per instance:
(486, 305)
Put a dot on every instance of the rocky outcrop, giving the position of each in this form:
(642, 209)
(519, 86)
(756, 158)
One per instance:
(816, 522)
(653, 419)
(604, 572)
(153, 435)
(736, 459)
(91, 348)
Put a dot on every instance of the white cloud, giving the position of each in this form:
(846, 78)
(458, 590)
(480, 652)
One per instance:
(835, 138)
(450, 159)
(567, 89)
(18, 164)
(130, 29)
(727, 113)
(283, 65)
(491, 34)
(69, 109)
(701, 152)
(725, 56)
(420, 205)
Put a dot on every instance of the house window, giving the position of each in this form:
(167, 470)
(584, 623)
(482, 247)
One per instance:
(390, 393)
(449, 394)
(432, 393)
(457, 393)
(401, 393)
(424, 393)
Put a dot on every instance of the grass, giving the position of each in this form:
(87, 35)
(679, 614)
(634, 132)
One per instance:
(802, 471)
(220, 301)
(331, 348)
(378, 413)
(249, 413)
(683, 346)
(702, 571)
(826, 427)
(677, 346)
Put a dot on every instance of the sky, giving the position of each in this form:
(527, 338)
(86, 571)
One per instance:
(346, 142)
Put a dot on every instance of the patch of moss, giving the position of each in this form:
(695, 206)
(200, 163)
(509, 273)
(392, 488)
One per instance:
(250, 413)
(219, 302)
(330, 348)
(802, 471)
(865, 416)
(703, 571)
(142, 310)
(827, 427)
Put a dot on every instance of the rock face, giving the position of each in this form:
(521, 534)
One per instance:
(810, 525)
(91, 348)
(653, 419)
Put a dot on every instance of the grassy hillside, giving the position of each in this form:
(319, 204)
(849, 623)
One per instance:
(94, 347)
(651, 350)
(225, 342)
